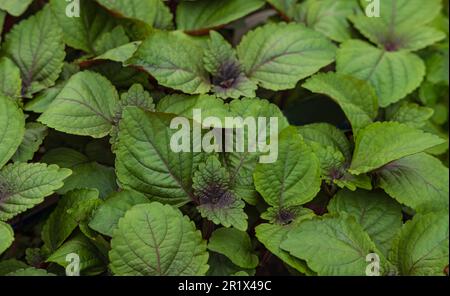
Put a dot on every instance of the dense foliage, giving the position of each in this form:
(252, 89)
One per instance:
(87, 168)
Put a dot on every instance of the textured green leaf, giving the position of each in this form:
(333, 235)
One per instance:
(10, 81)
(35, 45)
(272, 235)
(11, 265)
(73, 208)
(156, 239)
(121, 53)
(32, 140)
(175, 60)
(30, 271)
(85, 106)
(15, 7)
(382, 142)
(333, 150)
(107, 215)
(422, 245)
(85, 174)
(241, 165)
(440, 114)
(91, 260)
(409, 113)
(68, 70)
(219, 265)
(294, 179)
(23, 186)
(332, 162)
(379, 215)
(416, 180)
(205, 14)
(183, 105)
(352, 182)
(326, 135)
(146, 163)
(217, 201)
(277, 56)
(6, 236)
(356, 97)
(12, 128)
(438, 65)
(438, 131)
(137, 29)
(64, 157)
(42, 100)
(151, 12)
(91, 175)
(332, 245)
(228, 79)
(393, 74)
(82, 32)
(234, 244)
(327, 16)
(286, 7)
(401, 24)
(111, 40)
(429, 93)
(137, 96)
(97, 240)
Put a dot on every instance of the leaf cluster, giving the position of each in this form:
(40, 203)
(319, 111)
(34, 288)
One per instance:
(86, 164)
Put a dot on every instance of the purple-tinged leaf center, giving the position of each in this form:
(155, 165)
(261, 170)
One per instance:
(285, 216)
(227, 75)
(216, 194)
(391, 44)
(4, 191)
(336, 174)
